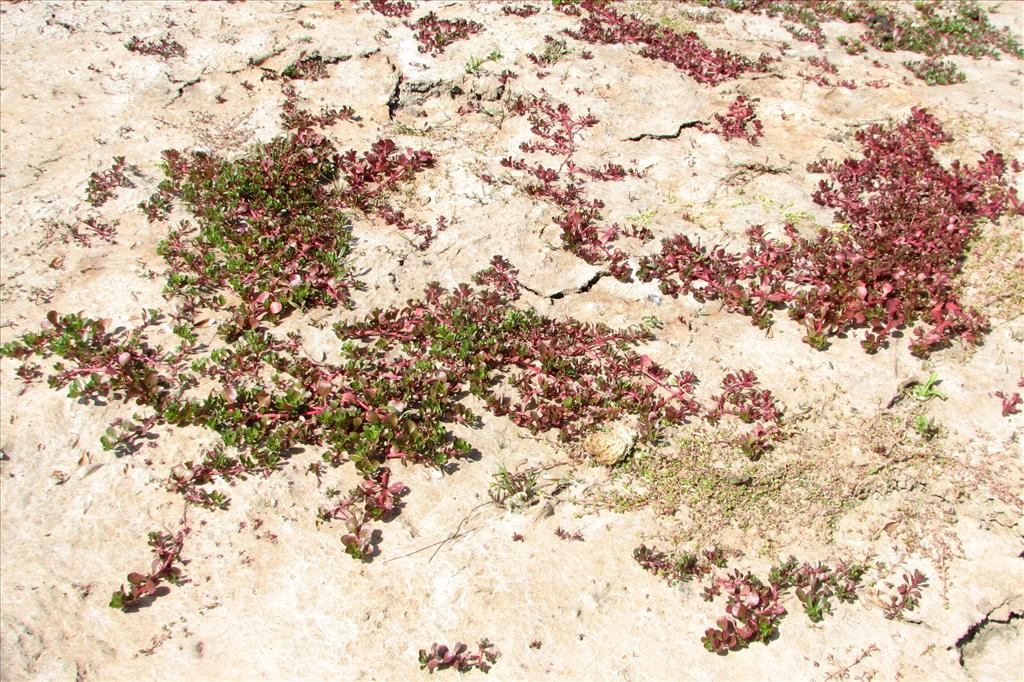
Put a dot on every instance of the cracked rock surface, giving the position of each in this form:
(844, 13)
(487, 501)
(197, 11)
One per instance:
(853, 480)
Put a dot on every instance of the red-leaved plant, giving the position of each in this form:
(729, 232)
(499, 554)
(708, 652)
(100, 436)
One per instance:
(435, 35)
(687, 52)
(740, 398)
(167, 551)
(907, 596)
(440, 656)
(753, 609)
(1010, 402)
(522, 11)
(904, 224)
(739, 121)
(375, 498)
(165, 47)
(557, 133)
(102, 185)
(391, 8)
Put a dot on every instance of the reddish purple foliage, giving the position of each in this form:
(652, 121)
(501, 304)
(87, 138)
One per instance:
(102, 185)
(752, 613)
(824, 67)
(435, 35)
(674, 569)
(1010, 402)
(575, 536)
(522, 11)
(686, 52)
(752, 283)
(557, 134)
(740, 121)
(167, 550)
(391, 8)
(753, 610)
(165, 48)
(566, 375)
(272, 224)
(909, 220)
(295, 118)
(740, 398)
(375, 174)
(440, 657)
(375, 498)
(93, 227)
(311, 67)
(380, 170)
(907, 597)
(823, 64)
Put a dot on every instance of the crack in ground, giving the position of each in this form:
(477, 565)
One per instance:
(258, 60)
(976, 629)
(181, 90)
(395, 101)
(666, 136)
(584, 288)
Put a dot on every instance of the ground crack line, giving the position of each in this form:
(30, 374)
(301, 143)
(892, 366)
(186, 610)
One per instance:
(395, 100)
(975, 629)
(666, 136)
(582, 289)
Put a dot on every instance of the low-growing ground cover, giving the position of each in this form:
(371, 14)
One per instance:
(471, 292)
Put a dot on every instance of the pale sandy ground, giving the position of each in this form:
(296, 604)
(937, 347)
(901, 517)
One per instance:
(298, 608)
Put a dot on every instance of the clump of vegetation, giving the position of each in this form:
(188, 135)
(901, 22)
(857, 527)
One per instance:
(563, 534)
(311, 67)
(739, 121)
(554, 51)
(740, 398)
(853, 46)
(679, 567)
(295, 118)
(926, 391)
(753, 608)
(440, 657)
(565, 375)
(397, 386)
(932, 28)
(474, 64)
(435, 35)
(167, 552)
(521, 11)
(515, 490)
(907, 596)
(557, 133)
(373, 499)
(103, 185)
(687, 52)
(270, 227)
(391, 8)
(936, 71)
(1009, 402)
(926, 427)
(908, 222)
(165, 47)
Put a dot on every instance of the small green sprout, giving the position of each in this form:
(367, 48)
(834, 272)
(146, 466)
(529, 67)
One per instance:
(513, 490)
(926, 427)
(927, 390)
(474, 63)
